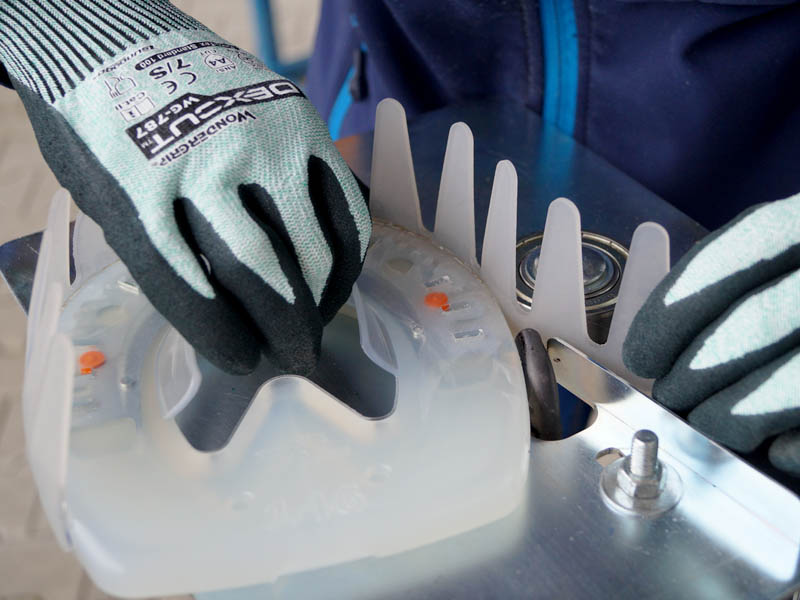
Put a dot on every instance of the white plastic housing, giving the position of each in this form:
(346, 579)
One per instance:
(305, 481)
(49, 367)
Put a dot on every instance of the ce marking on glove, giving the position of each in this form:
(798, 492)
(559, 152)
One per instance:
(178, 69)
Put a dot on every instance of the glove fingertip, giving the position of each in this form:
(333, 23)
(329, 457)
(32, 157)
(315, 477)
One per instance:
(301, 359)
(640, 350)
(784, 452)
(669, 393)
(242, 362)
(342, 234)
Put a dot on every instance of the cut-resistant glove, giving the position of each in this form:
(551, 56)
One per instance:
(213, 178)
(721, 334)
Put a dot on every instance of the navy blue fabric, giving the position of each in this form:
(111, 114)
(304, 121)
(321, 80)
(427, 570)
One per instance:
(698, 101)
(427, 54)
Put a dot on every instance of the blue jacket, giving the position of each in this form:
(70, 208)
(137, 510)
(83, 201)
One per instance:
(699, 101)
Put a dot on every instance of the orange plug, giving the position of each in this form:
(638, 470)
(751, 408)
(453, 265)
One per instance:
(90, 360)
(437, 300)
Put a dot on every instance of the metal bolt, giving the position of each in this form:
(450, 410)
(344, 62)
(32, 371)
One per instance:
(639, 482)
(644, 454)
(640, 472)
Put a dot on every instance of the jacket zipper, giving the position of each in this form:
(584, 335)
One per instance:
(560, 50)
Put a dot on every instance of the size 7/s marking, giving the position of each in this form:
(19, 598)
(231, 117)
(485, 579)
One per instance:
(178, 69)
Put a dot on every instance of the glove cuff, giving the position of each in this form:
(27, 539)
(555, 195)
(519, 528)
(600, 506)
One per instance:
(52, 45)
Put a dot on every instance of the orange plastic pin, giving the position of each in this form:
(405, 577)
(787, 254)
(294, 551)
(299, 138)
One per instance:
(437, 300)
(91, 360)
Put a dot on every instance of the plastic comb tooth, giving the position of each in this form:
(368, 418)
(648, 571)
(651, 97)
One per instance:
(393, 186)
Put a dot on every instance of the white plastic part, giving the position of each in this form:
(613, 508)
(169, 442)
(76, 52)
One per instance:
(558, 305)
(53, 264)
(90, 252)
(499, 247)
(372, 334)
(558, 308)
(393, 186)
(176, 373)
(455, 209)
(305, 481)
(49, 371)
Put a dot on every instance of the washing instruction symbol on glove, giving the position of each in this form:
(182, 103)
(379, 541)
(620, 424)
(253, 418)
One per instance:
(117, 86)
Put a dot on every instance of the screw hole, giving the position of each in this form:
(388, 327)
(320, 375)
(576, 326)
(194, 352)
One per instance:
(609, 455)
(556, 360)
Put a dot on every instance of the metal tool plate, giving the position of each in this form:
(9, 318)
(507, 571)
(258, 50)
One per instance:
(734, 534)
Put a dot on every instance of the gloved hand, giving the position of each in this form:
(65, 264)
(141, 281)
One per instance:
(721, 334)
(213, 178)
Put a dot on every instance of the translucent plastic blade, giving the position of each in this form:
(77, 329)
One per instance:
(393, 187)
(41, 340)
(53, 263)
(455, 210)
(49, 371)
(177, 375)
(499, 246)
(47, 436)
(372, 334)
(90, 251)
(558, 305)
(49, 282)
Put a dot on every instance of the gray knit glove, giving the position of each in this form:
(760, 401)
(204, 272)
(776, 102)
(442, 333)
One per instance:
(213, 178)
(721, 334)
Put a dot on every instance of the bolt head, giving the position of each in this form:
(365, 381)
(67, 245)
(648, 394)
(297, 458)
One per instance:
(640, 487)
